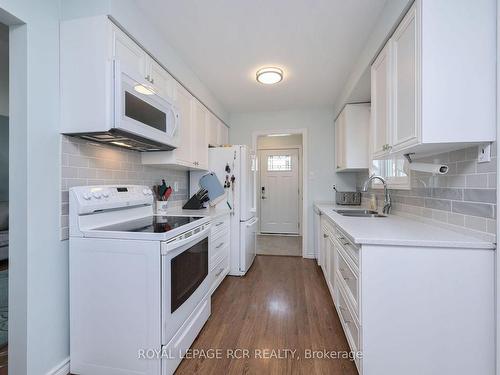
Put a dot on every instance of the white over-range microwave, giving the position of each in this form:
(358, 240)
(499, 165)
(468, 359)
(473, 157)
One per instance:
(137, 117)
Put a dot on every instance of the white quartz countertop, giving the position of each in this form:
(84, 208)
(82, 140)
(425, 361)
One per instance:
(398, 231)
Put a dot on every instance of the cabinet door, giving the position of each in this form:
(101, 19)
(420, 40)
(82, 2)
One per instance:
(340, 141)
(224, 134)
(213, 130)
(404, 89)
(183, 102)
(380, 97)
(322, 249)
(162, 82)
(328, 256)
(200, 141)
(332, 248)
(133, 59)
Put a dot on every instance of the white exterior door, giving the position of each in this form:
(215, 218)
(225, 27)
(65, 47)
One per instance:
(279, 191)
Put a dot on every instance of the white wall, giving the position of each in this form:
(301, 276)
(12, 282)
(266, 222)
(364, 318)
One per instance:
(132, 19)
(4, 70)
(38, 316)
(321, 175)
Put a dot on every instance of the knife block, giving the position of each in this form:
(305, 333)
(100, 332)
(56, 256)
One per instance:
(193, 204)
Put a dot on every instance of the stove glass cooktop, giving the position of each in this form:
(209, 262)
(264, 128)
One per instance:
(153, 224)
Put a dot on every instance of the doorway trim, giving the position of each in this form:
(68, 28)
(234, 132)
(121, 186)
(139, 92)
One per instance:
(305, 191)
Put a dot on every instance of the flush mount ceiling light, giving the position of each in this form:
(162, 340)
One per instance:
(269, 76)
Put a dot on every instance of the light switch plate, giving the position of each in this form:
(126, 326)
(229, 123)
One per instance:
(484, 153)
(176, 186)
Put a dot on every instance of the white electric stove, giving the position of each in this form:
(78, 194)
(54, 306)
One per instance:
(139, 283)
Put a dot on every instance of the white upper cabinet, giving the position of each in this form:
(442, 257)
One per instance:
(351, 138)
(223, 134)
(217, 131)
(199, 136)
(133, 59)
(433, 83)
(160, 80)
(404, 85)
(380, 102)
(182, 154)
(213, 130)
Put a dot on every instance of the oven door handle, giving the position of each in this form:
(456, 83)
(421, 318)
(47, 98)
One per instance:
(176, 244)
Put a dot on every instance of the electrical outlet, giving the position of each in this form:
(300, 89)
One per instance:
(484, 153)
(176, 186)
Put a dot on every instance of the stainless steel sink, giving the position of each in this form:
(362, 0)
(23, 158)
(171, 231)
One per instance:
(359, 213)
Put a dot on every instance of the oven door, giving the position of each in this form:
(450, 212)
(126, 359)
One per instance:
(185, 280)
(139, 110)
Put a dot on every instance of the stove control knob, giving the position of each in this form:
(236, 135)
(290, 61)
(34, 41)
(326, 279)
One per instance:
(86, 196)
(105, 194)
(97, 194)
(145, 191)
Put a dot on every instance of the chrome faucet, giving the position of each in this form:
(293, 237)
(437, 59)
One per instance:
(387, 197)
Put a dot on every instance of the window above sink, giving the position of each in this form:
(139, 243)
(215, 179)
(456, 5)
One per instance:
(393, 172)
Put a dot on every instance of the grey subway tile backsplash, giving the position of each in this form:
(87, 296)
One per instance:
(86, 163)
(447, 193)
(463, 198)
(438, 204)
(480, 195)
(474, 209)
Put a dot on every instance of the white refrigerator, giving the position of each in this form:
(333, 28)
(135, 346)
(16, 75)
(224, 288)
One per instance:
(240, 197)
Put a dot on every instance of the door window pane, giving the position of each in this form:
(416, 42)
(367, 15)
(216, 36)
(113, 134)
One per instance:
(276, 163)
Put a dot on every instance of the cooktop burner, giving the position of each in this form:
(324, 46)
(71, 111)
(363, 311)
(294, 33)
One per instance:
(153, 224)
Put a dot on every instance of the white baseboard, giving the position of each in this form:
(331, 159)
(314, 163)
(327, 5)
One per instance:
(309, 255)
(60, 369)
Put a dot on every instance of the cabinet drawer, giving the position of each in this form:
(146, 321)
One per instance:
(218, 253)
(348, 276)
(219, 224)
(351, 249)
(218, 273)
(327, 225)
(349, 322)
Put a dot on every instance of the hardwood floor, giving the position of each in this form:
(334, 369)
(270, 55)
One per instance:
(282, 303)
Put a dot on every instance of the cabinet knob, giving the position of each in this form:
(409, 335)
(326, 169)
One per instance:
(325, 235)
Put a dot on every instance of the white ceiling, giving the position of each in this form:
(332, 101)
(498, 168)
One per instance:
(224, 42)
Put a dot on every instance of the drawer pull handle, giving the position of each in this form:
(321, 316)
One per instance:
(219, 245)
(345, 243)
(346, 277)
(218, 273)
(219, 223)
(325, 235)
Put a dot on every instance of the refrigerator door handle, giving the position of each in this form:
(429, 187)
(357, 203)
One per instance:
(252, 222)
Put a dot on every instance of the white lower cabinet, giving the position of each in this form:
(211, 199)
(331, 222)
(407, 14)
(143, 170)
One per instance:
(411, 310)
(218, 251)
